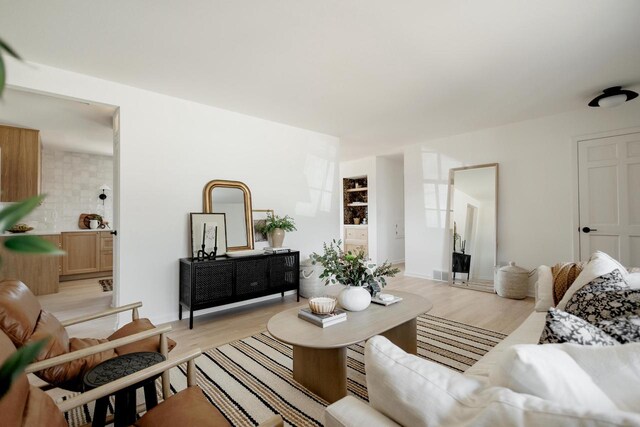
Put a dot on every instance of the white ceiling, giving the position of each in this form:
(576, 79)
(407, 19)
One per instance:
(63, 124)
(378, 74)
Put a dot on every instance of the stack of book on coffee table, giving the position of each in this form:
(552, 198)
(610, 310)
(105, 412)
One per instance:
(322, 320)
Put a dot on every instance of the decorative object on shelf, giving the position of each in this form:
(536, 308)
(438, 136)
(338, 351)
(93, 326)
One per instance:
(208, 235)
(612, 97)
(362, 277)
(322, 305)
(512, 281)
(94, 224)
(275, 227)
(103, 196)
(259, 222)
(364, 221)
(355, 197)
(19, 228)
(84, 222)
(232, 198)
(356, 221)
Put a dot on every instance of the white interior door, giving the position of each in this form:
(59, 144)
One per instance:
(609, 197)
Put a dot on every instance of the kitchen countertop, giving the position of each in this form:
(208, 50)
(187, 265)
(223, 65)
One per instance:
(44, 232)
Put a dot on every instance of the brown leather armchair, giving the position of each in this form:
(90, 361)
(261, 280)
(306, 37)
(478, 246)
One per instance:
(23, 320)
(26, 406)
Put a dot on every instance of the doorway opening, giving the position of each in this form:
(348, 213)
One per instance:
(78, 173)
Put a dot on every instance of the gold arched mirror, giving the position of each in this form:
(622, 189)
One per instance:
(233, 198)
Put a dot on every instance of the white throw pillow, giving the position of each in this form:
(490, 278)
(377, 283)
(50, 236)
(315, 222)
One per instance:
(549, 372)
(418, 393)
(633, 280)
(599, 264)
(544, 289)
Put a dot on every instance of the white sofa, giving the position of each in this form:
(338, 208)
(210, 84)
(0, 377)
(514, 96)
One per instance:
(352, 412)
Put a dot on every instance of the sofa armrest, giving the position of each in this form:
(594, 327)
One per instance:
(544, 289)
(351, 412)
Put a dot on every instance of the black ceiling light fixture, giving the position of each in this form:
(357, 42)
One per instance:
(612, 97)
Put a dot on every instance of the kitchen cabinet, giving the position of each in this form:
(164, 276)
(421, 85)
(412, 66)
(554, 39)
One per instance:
(20, 163)
(88, 253)
(39, 272)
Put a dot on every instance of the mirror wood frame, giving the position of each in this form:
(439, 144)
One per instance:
(207, 207)
(452, 171)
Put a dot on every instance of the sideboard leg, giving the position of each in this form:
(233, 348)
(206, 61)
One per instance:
(179, 311)
(190, 318)
(298, 296)
(282, 294)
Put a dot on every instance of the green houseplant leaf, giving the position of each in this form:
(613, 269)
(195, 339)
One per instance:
(10, 215)
(15, 364)
(4, 47)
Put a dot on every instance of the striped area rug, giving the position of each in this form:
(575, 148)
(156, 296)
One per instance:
(251, 379)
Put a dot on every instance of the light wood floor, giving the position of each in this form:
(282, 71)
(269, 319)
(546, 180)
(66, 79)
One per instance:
(481, 309)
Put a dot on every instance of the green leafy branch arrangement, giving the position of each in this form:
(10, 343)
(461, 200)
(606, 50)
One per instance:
(272, 222)
(352, 269)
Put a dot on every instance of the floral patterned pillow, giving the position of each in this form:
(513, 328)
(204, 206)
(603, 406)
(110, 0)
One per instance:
(624, 330)
(562, 327)
(607, 297)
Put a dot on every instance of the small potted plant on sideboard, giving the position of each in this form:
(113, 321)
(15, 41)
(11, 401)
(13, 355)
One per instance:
(275, 227)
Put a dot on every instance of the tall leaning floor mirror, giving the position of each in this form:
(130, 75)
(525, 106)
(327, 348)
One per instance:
(473, 219)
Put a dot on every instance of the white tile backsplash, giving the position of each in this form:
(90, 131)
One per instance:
(72, 183)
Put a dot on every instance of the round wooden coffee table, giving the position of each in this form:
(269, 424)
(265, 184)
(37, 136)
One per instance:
(320, 354)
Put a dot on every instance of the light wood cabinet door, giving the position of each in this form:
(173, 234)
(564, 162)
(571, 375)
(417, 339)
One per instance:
(106, 251)
(82, 252)
(39, 272)
(20, 163)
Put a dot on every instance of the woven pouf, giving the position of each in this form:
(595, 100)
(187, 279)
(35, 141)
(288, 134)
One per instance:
(512, 281)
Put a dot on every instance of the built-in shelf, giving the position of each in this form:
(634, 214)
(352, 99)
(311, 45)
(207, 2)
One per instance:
(355, 202)
(358, 204)
(352, 190)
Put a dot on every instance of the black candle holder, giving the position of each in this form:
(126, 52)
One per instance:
(204, 255)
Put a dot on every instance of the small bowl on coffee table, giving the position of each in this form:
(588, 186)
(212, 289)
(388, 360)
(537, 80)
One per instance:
(322, 305)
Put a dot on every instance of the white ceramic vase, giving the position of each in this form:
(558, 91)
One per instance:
(354, 298)
(277, 238)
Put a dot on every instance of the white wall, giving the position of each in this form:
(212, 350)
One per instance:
(360, 167)
(536, 187)
(390, 209)
(71, 182)
(169, 149)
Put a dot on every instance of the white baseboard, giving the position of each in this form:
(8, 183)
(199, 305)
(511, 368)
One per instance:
(422, 276)
(172, 317)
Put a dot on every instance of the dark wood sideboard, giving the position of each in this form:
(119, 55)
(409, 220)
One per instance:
(212, 283)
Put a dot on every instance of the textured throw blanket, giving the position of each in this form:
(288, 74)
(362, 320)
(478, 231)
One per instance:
(564, 274)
